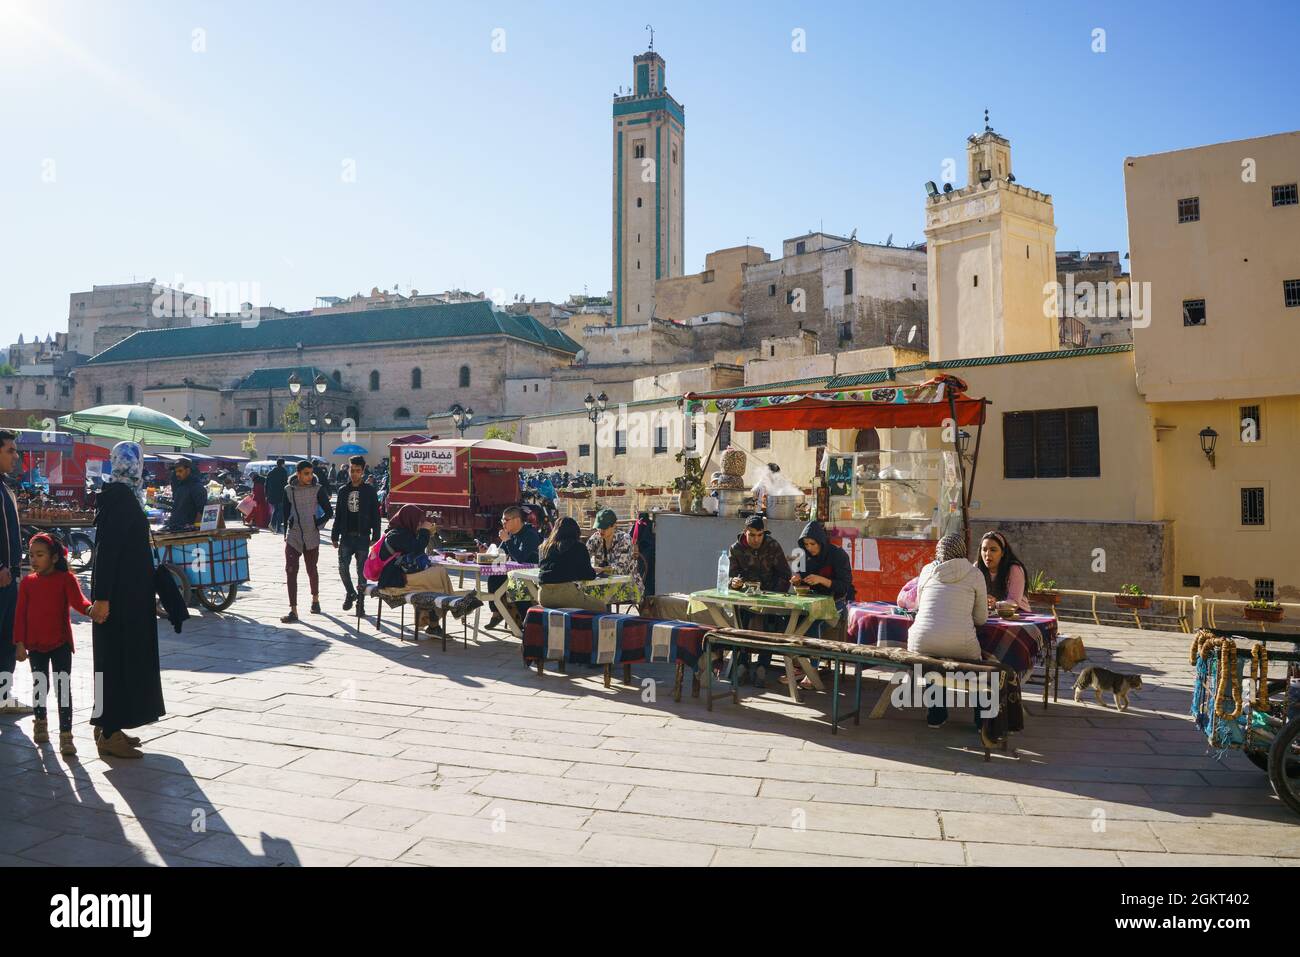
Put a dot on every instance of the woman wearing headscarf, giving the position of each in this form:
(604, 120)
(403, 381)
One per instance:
(1004, 573)
(260, 517)
(125, 635)
(951, 602)
(565, 561)
(406, 543)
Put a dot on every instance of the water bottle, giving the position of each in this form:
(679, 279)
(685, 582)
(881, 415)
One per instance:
(724, 571)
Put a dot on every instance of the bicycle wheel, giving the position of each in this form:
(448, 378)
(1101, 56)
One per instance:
(1284, 765)
(81, 551)
(215, 597)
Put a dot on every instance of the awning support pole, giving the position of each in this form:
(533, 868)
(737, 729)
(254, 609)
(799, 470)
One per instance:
(961, 465)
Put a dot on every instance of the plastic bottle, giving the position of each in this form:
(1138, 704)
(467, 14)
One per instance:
(724, 571)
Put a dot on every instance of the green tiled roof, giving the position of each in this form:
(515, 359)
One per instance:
(457, 321)
(264, 379)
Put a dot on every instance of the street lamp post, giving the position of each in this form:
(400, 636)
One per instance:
(461, 418)
(319, 385)
(201, 423)
(595, 409)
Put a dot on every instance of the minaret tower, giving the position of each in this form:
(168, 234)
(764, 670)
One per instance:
(649, 158)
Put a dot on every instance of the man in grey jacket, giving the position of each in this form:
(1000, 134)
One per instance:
(304, 496)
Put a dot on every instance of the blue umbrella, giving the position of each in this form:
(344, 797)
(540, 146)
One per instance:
(350, 449)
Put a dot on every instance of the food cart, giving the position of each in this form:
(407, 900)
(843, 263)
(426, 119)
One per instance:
(59, 463)
(888, 506)
(463, 484)
(209, 564)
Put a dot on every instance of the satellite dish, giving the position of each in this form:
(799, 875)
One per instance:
(911, 334)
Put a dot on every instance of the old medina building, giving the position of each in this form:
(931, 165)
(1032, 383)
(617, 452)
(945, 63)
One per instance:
(1091, 458)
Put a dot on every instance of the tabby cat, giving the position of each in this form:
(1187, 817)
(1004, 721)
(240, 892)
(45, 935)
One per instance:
(1101, 679)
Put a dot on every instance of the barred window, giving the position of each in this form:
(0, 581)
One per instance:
(1286, 195)
(816, 438)
(620, 442)
(724, 435)
(1193, 312)
(1052, 443)
(584, 450)
(1291, 292)
(1189, 210)
(1252, 426)
(762, 440)
(1252, 506)
(1264, 590)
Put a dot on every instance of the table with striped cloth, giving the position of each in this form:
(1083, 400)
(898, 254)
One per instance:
(1017, 643)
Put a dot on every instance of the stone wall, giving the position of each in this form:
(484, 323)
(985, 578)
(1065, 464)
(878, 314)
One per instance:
(1140, 553)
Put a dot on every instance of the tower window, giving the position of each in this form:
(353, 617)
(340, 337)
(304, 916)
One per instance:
(977, 279)
(1193, 312)
(1286, 195)
(1291, 292)
(464, 377)
(1189, 210)
(675, 157)
(800, 248)
(638, 149)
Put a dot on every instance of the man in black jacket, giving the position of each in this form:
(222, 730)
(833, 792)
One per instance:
(189, 496)
(520, 542)
(356, 528)
(276, 480)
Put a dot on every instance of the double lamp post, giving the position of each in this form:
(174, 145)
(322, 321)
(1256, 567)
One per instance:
(314, 418)
(595, 409)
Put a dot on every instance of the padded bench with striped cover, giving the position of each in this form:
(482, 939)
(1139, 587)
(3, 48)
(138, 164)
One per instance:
(436, 603)
(608, 639)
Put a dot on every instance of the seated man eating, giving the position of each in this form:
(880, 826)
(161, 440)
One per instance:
(757, 557)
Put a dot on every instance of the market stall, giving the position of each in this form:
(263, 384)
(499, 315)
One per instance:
(57, 464)
(885, 507)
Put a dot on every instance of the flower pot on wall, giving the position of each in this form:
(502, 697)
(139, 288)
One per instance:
(1043, 598)
(1262, 614)
(1133, 601)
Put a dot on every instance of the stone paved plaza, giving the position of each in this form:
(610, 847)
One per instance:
(316, 744)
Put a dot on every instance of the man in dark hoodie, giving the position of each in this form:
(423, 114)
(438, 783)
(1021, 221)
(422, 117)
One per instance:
(827, 569)
(356, 528)
(189, 496)
(757, 557)
(276, 480)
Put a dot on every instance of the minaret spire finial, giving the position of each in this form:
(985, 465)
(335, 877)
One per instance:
(652, 35)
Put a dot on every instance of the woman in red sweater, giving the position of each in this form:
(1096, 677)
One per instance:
(43, 633)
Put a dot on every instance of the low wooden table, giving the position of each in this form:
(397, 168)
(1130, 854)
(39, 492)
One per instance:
(480, 573)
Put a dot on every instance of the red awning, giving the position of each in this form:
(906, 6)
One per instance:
(812, 414)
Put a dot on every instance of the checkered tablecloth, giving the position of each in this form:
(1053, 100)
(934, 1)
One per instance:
(1017, 643)
(496, 568)
(597, 638)
(615, 590)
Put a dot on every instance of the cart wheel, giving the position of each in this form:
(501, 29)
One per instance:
(1284, 765)
(81, 552)
(182, 583)
(215, 597)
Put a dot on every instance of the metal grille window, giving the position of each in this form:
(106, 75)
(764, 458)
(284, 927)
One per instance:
(1252, 506)
(1264, 590)
(1291, 292)
(762, 440)
(724, 435)
(816, 438)
(620, 442)
(1052, 443)
(1286, 195)
(1189, 210)
(848, 282)
(1193, 312)
(661, 439)
(584, 450)
(1252, 427)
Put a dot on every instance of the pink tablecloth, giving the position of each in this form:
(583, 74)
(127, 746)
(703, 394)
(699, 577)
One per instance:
(1017, 643)
(497, 568)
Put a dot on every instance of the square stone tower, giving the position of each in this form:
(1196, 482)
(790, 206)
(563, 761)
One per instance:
(649, 158)
(991, 259)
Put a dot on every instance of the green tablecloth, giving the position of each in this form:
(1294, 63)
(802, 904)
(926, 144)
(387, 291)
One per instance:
(814, 607)
(615, 590)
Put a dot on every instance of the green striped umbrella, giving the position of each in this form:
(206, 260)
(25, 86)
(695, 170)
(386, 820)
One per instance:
(135, 423)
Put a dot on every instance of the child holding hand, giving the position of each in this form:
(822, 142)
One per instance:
(43, 633)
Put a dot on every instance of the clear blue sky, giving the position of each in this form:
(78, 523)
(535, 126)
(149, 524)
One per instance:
(491, 170)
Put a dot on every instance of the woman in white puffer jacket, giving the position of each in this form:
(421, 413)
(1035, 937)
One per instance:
(952, 599)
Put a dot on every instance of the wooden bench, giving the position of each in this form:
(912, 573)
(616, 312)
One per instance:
(862, 657)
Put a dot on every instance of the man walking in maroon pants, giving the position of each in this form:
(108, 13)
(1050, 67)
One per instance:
(303, 497)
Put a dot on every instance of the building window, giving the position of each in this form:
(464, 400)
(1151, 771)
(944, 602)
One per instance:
(846, 332)
(403, 412)
(1052, 443)
(584, 450)
(1193, 312)
(848, 282)
(1189, 210)
(638, 202)
(338, 376)
(9, 390)
(464, 377)
(638, 149)
(1285, 195)
(707, 277)
(762, 440)
(354, 414)
(416, 378)
(771, 289)
(99, 395)
(63, 390)
(800, 248)
(620, 442)
(1291, 292)
(724, 435)
(374, 380)
(130, 394)
(40, 388)
(1264, 590)
(789, 297)
(1252, 427)
(534, 387)
(816, 438)
(661, 439)
(977, 279)
(250, 418)
(1252, 506)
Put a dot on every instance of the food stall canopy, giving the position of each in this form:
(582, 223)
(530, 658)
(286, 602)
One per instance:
(489, 452)
(927, 405)
(415, 438)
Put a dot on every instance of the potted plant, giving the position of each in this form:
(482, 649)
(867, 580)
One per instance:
(1132, 596)
(1041, 590)
(1263, 611)
(690, 484)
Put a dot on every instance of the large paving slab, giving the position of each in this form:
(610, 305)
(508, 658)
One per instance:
(320, 743)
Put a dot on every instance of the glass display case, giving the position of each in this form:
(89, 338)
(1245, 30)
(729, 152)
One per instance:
(898, 493)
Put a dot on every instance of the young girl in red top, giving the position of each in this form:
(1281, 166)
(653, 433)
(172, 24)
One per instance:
(43, 632)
